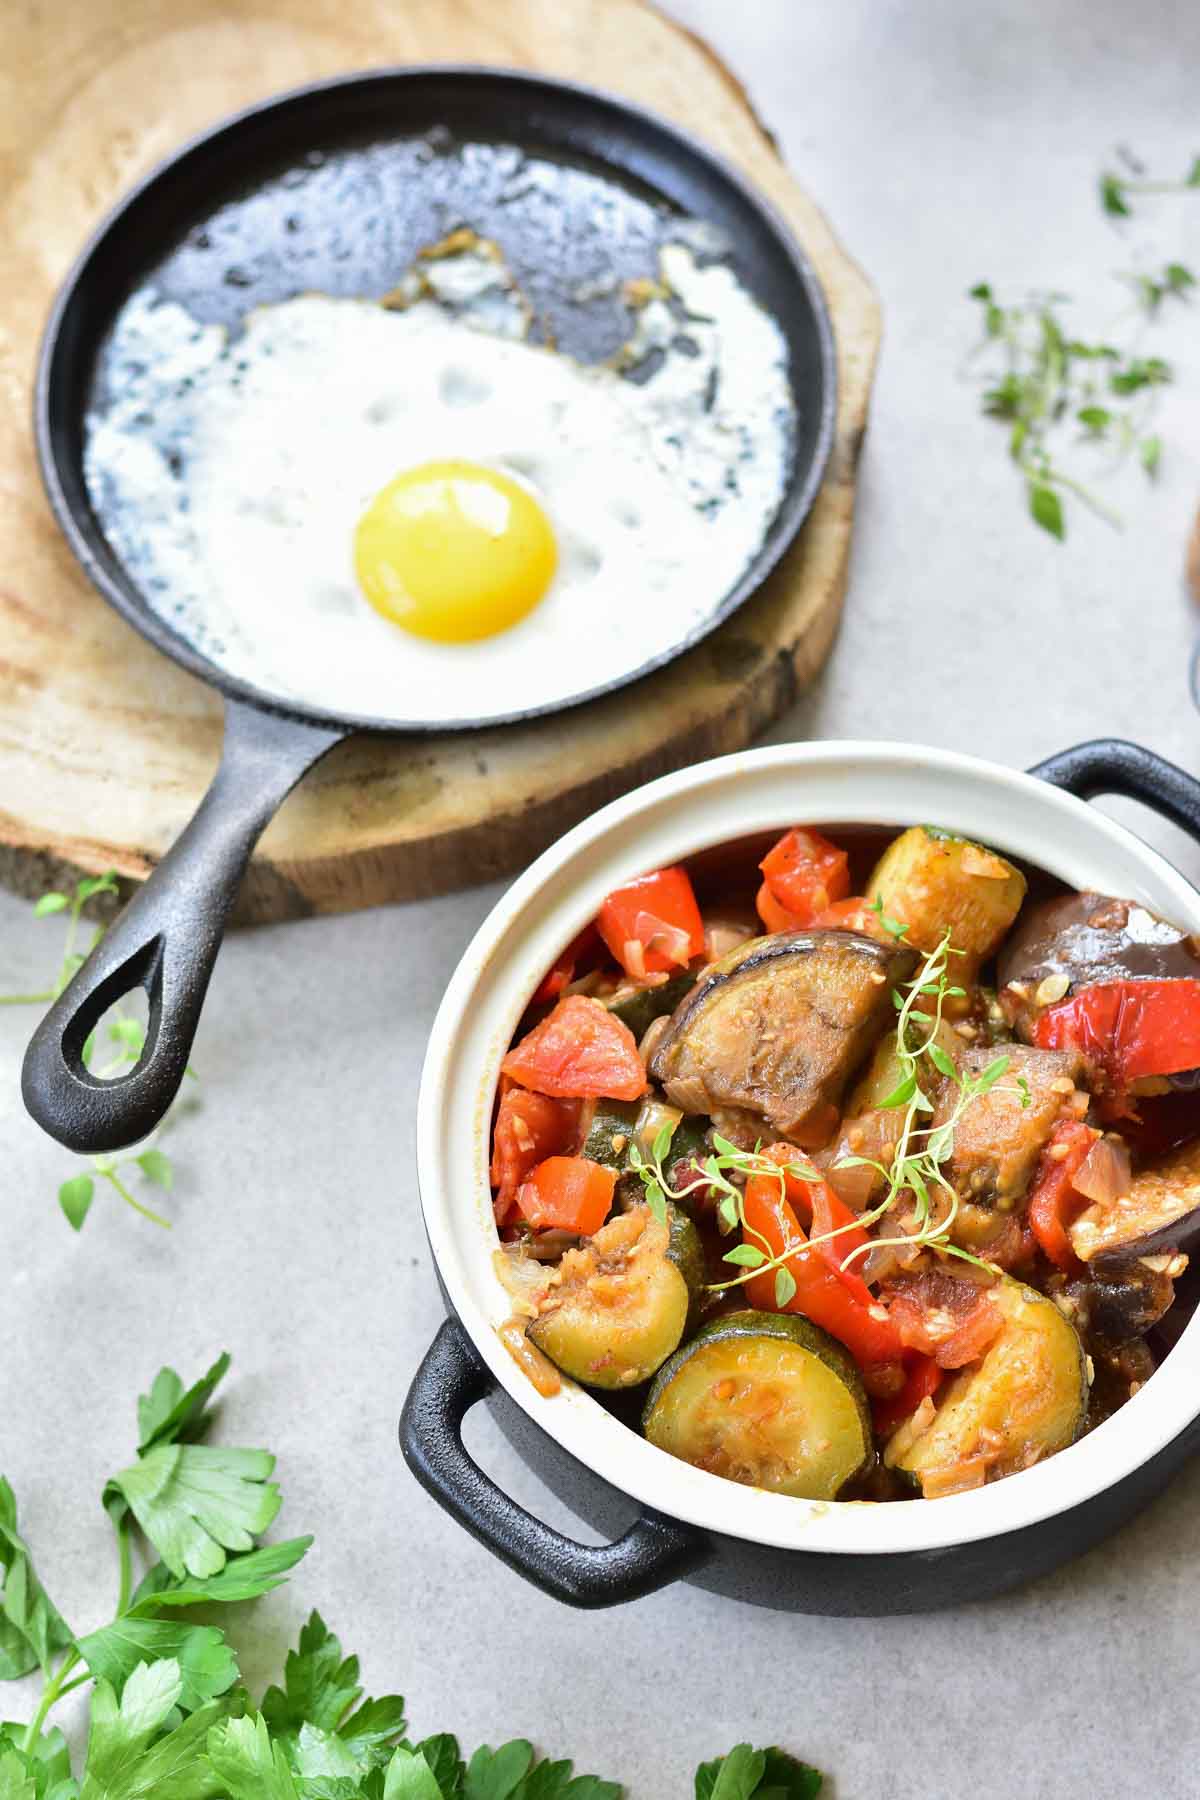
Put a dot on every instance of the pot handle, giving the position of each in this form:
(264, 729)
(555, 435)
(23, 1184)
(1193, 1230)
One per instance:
(1114, 766)
(453, 1378)
(166, 941)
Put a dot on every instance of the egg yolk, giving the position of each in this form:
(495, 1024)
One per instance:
(454, 551)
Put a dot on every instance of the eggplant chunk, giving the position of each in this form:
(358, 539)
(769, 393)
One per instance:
(1160, 1212)
(1079, 940)
(1025, 1400)
(998, 1139)
(776, 1029)
(938, 883)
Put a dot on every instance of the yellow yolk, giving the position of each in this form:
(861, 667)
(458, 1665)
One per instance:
(454, 551)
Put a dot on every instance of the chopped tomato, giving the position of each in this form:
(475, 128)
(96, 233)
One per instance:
(581, 954)
(568, 1193)
(855, 914)
(922, 1378)
(529, 1127)
(1053, 1201)
(952, 1321)
(805, 873)
(1128, 1029)
(653, 925)
(579, 1050)
(822, 1295)
(774, 916)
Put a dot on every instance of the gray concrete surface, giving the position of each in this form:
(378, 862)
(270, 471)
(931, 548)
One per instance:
(948, 143)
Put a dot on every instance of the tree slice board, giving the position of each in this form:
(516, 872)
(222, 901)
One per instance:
(105, 746)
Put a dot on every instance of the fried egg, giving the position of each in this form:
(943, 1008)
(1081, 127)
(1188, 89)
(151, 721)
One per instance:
(407, 510)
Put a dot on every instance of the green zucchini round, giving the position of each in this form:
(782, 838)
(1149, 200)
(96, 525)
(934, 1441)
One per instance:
(624, 1299)
(769, 1400)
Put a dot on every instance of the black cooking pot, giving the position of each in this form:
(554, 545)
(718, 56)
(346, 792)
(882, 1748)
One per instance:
(669, 1521)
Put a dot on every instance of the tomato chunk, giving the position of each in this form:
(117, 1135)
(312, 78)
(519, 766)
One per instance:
(774, 916)
(805, 873)
(568, 1193)
(1128, 1029)
(578, 1051)
(854, 914)
(653, 925)
(1053, 1201)
(821, 1293)
(581, 954)
(529, 1127)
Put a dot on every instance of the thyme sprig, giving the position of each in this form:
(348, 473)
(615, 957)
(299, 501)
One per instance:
(917, 1166)
(127, 1035)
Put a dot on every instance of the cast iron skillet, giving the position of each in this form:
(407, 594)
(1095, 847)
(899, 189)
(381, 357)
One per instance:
(334, 188)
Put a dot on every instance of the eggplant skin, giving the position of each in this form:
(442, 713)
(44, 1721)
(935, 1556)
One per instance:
(1089, 938)
(1160, 1212)
(777, 1028)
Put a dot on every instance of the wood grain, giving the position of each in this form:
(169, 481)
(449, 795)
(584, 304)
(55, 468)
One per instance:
(105, 747)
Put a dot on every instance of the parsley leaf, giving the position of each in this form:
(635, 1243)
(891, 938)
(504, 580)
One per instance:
(123, 1762)
(322, 1691)
(246, 1764)
(243, 1578)
(32, 1629)
(206, 1663)
(170, 1413)
(761, 1774)
(195, 1502)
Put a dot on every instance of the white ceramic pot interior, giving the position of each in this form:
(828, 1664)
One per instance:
(763, 790)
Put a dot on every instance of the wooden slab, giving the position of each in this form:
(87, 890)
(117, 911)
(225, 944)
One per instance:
(106, 747)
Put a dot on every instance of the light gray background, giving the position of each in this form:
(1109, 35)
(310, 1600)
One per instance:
(948, 142)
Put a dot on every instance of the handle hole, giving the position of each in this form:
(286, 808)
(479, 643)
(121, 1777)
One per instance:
(118, 1039)
(510, 1467)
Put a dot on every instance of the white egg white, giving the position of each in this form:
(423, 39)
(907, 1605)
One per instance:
(231, 473)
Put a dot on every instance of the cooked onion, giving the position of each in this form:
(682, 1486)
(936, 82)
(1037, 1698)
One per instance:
(853, 1185)
(1106, 1174)
(723, 935)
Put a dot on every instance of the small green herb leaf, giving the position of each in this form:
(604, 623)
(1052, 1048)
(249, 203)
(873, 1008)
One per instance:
(1150, 454)
(206, 1663)
(32, 1630)
(1112, 195)
(785, 1287)
(75, 1196)
(156, 1167)
(50, 904)
(195, 1503)
(171, 1413)
(746, 1256)
(1046, 508)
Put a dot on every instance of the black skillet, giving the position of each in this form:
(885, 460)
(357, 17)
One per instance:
(334, 188)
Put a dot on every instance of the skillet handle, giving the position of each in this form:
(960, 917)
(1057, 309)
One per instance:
(453, 1378)
(1114, 766)
(166, 941)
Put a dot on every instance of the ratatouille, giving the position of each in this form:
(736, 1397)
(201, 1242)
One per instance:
(854, 1168)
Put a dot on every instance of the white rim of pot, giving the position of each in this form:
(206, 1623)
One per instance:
(834, 783)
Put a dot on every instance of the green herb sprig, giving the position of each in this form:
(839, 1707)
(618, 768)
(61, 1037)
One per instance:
(917, 1167)
(170, 1718)
(1049, 380)
(126, 1037)
(1116, 190)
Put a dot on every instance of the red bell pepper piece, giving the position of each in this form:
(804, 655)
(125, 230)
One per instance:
(773, 914)
(568, 1193)
(581, 954)
(529, 1127)
(821, 1211)
(1053, 1201)
(1129, 1029)
(922, 1379)
(822, 1294)
(854, 914)
(578, 1051)
(653, 925)
(805, 873)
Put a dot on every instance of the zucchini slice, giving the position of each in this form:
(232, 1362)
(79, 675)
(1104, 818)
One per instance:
(1025, 1400)
(619, 1304)
(617, 1124)
(769, 1400)
(936, 883)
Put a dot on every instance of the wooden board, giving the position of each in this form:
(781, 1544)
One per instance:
(105, 746)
